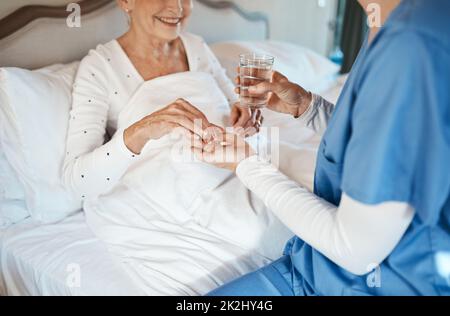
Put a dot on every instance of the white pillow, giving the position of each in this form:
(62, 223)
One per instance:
(13, 208)
(301, 65)
(10, 186)
(34, 116)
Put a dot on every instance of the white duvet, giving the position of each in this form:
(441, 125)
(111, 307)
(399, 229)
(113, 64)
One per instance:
(183, 228)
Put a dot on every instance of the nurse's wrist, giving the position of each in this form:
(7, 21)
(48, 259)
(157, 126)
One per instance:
(246, 166)
(242, 164)
(307, 106)
(304, 106)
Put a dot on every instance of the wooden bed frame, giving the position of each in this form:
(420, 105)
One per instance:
(35, 36)
(27, 14)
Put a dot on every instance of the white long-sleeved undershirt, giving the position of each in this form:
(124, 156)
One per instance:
(355, 236)
(317, 115)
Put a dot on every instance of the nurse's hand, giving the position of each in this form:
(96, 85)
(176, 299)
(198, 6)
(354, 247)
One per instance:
(225, 153)
(246, 122)
(285, 96)
(179, 114)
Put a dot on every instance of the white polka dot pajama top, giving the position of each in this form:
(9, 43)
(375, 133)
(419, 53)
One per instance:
(104, 84)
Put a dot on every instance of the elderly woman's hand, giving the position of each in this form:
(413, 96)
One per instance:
(179, 114)
(286, 97)
(225, 152)
(245, 121)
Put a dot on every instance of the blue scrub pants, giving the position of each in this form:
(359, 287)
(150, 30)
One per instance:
(274, 279)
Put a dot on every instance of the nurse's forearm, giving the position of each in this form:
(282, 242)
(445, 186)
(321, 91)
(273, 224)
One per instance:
(318, 114)
(354, 236)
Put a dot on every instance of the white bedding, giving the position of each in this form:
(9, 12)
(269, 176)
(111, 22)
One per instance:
(39, 260)
(44, 260)
(183, 227)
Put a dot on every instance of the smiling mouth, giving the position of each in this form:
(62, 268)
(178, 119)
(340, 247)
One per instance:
(169, 21)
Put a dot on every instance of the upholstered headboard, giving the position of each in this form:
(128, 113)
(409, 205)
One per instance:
(36, 36)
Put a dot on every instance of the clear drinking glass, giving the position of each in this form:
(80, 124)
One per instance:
(254, 69)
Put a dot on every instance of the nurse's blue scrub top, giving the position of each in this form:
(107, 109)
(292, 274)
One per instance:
(389, 140)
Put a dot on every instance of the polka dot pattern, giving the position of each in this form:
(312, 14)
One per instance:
(117, 95)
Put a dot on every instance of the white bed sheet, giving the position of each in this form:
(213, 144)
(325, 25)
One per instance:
(45, 260)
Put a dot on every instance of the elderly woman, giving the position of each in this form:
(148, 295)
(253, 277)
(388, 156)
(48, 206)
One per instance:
(174, 226)
(154, 46)
(378, 220)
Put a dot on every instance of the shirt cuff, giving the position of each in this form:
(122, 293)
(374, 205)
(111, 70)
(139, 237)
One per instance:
(309, 113)
(246, 166)
(117, 145)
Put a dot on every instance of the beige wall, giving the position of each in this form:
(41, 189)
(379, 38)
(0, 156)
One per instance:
(303, 22)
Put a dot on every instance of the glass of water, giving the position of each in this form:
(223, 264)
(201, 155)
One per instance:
(254, 69)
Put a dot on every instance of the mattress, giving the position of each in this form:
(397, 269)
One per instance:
(59, 259)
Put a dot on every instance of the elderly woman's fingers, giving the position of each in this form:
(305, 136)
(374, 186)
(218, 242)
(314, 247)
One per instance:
(253, 125)
(191, 140)
(252, 118)
(245, 115)
(210, 130)
(239, 130)
(259, 118)
(197, 145)
(213, 133)
(198, 152)
(192, 109)
(195, 111)
(183, 112)
(249, 123)
(235, 113)
(182, 121)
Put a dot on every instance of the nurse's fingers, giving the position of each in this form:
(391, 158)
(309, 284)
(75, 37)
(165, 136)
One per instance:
(265, 87)
(278, 84)
(237, 81)
(279, 77)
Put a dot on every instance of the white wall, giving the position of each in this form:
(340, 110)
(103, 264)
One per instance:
(303, 22)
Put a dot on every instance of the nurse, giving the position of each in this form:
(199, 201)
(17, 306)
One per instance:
(378, 222)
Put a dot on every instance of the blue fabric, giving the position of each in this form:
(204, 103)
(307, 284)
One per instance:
(272, 280)
(389, 140)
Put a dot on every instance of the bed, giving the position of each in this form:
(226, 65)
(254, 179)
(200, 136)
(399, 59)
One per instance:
(64, 257)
